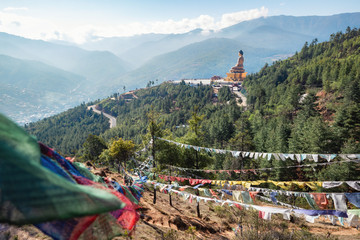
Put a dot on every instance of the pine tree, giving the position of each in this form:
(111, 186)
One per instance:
(93, 147)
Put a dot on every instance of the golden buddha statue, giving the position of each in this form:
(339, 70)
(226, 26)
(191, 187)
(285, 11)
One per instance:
(237, 73)
(239, 67)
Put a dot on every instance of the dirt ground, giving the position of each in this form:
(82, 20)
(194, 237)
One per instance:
(162, 220)
(180, 221)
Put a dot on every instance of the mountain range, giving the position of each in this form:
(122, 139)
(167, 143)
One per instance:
(105, 65)
(166, 56)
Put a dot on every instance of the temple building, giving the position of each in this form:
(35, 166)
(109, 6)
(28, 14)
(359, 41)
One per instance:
(237, 73)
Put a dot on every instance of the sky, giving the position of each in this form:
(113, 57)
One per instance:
(80, 21)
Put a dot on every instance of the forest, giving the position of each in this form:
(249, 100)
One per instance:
(308, 103)
(66, 132)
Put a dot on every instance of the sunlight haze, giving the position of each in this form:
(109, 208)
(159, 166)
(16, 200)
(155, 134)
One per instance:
(82, 21)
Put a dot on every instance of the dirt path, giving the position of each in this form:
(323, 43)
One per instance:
(238, 95)
(243, 98)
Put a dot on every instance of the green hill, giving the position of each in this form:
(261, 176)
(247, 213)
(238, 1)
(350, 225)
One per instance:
(309, 102)
(174, 102)
(33, 75)
(66, 132)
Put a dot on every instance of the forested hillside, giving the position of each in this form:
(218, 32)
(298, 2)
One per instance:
(67, 131)
(308, 103)
(311, 101)
(172, 103)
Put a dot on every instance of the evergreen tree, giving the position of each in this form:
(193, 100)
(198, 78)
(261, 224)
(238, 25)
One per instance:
(195, 137)
(154, 132)
(243, 139)
(225, 94)
(93, 147)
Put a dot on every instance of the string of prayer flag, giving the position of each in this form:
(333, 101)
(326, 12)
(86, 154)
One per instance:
(283, 156)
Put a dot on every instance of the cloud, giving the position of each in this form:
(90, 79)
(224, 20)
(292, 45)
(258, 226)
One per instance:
(10, 9)
(15, 23)
(205, 22)
(26, 26)
(36, 28)
(230, 19)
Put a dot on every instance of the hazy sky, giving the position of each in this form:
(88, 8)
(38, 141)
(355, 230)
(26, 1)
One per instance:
(79, 20)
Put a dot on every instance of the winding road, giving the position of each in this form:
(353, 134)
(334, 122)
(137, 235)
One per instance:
(243, 98)
(112, 119)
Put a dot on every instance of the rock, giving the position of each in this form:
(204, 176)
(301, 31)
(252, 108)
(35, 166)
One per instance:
(179, 223)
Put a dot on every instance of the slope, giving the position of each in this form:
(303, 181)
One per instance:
(66, 132)
(96, 66)
(312, 95)
(143, 52)
(34, 89)
(131, 116)
(118, 45)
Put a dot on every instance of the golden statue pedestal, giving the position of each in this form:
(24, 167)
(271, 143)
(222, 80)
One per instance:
(235, 77)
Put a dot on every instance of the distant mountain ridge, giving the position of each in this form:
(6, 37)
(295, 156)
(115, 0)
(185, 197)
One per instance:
(198, 60)
(44, 78)
(36, 89)
(94, 65)
(306, 27)
(322, 26)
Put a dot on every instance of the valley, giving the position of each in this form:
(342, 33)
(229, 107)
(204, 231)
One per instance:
(248, 128)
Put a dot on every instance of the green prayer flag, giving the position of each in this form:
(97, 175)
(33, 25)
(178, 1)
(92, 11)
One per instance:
(30, 193)
(246, 197)
(84, 171)
(310, 200)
